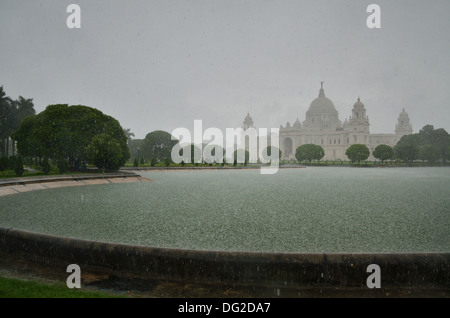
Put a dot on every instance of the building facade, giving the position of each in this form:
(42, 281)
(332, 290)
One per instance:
(322, 127)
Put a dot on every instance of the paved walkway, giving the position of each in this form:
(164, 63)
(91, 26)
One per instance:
(19, 185)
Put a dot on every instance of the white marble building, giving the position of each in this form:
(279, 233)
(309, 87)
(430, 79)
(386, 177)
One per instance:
(323, 127)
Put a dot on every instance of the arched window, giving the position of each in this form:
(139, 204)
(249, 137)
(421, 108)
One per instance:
(287, 143)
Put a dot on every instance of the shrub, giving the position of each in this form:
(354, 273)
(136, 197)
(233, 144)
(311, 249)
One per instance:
(45, 166)
(18, 166)
(105, 152)
(167, 162)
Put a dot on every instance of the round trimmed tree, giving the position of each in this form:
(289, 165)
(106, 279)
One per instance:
(309, 152)
(383, 152)
(357, 152)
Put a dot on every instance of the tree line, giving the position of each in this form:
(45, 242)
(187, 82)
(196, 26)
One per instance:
(157, 146)
(12, 113)
(71, 137)
(431, 145)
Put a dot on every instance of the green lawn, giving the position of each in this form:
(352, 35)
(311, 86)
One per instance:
(17, 288)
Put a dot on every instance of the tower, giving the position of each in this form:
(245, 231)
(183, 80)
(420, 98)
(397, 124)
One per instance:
(358, 124)
(403, 126)
(249, 138)
(248, 122)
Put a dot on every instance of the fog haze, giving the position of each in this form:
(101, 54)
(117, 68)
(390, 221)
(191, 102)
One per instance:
(162, 64)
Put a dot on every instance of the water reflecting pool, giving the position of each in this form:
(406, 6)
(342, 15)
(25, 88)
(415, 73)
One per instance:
(317, 210)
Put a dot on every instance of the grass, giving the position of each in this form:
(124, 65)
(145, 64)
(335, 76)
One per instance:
(18, 288)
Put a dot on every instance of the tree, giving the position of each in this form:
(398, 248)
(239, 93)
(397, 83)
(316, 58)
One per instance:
(268, 152)
(357, 152)
(407, 149)
(3, 163)
(309, 152)
(435, 137)
(429, 153)
(18, 166)
(211, 154)
(238, 159)
(135, 163)
(62, 165)
(410, 147)
(45, 165)
(63, 131)
(105, 152)
(135, 146)
(128, 134)
(383, 152)
(157, 144)
(22, 108)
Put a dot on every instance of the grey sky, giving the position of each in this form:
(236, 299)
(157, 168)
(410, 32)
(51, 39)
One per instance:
(161, 64)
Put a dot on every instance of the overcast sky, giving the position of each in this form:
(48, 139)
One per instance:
(162, 64)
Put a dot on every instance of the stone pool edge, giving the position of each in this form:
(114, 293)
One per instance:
(26, 184)
(281, 273)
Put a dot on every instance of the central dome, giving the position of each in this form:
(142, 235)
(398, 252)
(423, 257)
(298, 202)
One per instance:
(322, 105)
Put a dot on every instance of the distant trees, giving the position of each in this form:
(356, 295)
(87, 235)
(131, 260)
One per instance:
(429, 153)
(18, 166)
(128, 134)
(309, 152)
(357, 152)
(157, 144)
(63, 132)
(383, 152)
(12, 113)
(268, 152)
(407, 149)
(429, 145)
(238, 159)
(135, 146)
(213, 154)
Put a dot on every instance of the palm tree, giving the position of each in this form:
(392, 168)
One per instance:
(129, 134)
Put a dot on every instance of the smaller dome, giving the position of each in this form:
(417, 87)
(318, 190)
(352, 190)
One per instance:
(297, 124)
(358, 104)
(403, 114)
(248, 121)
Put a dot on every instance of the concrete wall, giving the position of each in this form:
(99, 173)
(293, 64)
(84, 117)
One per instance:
(278, 270)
